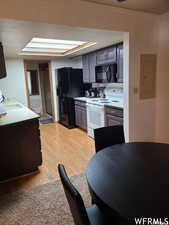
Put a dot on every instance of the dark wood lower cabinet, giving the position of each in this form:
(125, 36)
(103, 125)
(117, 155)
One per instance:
(84, 118)
(113, 116)
(81, 114)
(78, 115)
(113, 120)
(20, 149)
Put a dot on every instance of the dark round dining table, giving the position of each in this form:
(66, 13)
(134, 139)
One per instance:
(132, 179)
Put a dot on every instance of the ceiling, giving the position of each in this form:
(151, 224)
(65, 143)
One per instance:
(15, 34)
(150, 6)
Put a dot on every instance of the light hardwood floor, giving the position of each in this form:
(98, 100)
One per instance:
(72, 147)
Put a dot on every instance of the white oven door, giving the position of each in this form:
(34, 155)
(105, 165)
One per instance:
(95, 117)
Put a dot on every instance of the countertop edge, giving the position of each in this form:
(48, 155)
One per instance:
(19, 122)
(85, 99)
(10, 120)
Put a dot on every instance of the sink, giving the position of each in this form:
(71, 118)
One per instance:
(14, 106)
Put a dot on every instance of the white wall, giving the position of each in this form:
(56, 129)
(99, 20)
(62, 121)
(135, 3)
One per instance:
(162, 105)
(56, 64)
(142, 28)
(13, 86)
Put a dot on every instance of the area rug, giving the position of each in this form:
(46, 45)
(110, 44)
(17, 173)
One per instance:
(42, 205)
(46, 121)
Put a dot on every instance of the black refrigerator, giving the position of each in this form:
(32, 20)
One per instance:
(70, 85)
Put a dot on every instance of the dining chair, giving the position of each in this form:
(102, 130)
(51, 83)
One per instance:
(107, 136)
(81, 215)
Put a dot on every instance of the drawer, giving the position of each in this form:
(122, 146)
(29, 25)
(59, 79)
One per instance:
(77, 102)
(83, 104)
(114, 111)
(113, 120)
(80, 107)
(80, 103)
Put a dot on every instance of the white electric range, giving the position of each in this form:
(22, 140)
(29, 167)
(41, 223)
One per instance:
(96, 114)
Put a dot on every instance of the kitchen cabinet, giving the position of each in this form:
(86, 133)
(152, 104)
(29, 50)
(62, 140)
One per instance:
(89, 63)
(113, 116)
(106, 56)
(20, 148)
(120, 63)
(92, 65)
(113, 120)
(113, 54)
(86, 72)
(78, 115)
(81, 114)
(101, 57)
(2, 63)
(84, 118)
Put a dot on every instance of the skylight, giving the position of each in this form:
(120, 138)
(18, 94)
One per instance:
(53, 47)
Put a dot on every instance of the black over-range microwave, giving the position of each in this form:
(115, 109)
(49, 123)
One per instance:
(106, 73)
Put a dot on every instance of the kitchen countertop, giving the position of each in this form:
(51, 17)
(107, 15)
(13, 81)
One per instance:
(82, 99)
(16, 112)
(113, 104)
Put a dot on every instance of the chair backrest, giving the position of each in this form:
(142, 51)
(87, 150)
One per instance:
(107, 136)
(74, 199)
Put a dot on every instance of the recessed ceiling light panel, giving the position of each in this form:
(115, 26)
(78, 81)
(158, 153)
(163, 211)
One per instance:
(53, 47)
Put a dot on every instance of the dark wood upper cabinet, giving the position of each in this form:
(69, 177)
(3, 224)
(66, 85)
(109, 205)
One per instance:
(109, 55)
(120, 63)
(2, 63)
(89, 63)
(101, 56)
(106, 56)
(86, 73)
(92, 65)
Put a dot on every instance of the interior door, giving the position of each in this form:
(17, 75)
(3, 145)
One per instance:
(44, 72)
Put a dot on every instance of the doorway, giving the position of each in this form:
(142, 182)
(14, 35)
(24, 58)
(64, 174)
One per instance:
(39, 91)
